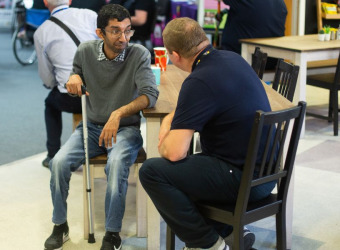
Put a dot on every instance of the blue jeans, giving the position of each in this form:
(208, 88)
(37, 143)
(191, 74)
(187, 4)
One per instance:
(120, 157)
(174, 187)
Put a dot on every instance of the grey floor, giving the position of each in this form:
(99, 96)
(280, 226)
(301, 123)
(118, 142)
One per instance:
(25, 205)
(22, 98)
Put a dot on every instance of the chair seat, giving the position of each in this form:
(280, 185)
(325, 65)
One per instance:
(226, 211)
(322, 63)
(102, 159)
(326, 78)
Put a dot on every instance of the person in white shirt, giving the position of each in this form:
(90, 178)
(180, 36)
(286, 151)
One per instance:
(55, 51)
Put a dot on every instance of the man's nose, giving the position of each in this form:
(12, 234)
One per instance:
(123, 38)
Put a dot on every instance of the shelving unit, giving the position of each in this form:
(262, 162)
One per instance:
(321, 15)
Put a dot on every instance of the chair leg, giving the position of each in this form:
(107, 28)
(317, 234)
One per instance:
(330, 106)
(170, 239)
(238, 243)
(335, 107)
(141, 210)
(281, 236)
(85, 201)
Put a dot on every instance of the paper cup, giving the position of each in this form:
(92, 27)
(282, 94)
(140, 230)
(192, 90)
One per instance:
(161, 57)
(157, 72)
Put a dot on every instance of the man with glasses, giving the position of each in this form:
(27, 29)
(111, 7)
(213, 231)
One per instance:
(119, 84)
(143, 19)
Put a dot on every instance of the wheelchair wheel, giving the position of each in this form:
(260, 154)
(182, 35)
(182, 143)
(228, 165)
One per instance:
(23, 46)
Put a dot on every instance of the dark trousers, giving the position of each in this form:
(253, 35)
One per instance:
(55, 103)
(175, 186)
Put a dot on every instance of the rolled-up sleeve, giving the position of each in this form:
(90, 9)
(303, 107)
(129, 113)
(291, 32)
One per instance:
(145, 80)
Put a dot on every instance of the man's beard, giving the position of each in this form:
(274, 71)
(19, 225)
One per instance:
(119, 49)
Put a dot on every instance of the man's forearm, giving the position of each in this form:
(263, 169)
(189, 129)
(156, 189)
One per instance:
(133, 107)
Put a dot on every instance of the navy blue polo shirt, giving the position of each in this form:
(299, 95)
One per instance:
(219, 100)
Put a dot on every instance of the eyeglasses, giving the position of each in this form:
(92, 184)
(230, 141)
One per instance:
(118, 33)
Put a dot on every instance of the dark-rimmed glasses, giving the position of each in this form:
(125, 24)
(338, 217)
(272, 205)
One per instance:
(117, 33)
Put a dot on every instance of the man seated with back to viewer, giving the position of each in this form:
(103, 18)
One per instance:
(219, 100)
(55, 51)
(120, 84)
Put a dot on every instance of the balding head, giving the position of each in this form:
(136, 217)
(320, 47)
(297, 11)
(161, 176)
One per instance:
(184, 35)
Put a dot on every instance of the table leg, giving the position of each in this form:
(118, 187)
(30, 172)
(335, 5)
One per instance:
(245, 53)
(300, 95)
(153, 217)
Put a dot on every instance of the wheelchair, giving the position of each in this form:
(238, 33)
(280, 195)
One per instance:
(26, 22)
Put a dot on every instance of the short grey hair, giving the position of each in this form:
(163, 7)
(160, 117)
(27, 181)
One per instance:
(58, 2)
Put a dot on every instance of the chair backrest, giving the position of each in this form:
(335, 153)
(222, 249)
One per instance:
(285, 79)
(258, 63)
(271, 132)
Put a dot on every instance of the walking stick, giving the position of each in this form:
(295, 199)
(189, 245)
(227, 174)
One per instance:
(87, 168)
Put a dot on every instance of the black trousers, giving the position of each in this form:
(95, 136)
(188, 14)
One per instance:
(55, 104)
(174, 187)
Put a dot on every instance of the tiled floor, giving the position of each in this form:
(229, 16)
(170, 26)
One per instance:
(25, 205)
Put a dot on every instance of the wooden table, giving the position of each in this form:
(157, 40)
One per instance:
(298, 49)
(171, 82)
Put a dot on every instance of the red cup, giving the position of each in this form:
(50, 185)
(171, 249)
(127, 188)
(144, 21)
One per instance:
(161, 57)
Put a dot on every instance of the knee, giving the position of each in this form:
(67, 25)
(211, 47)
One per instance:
(147, 170)
(48, 99)
(57, 164)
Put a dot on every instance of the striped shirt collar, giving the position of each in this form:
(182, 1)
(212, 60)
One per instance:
(102, 57)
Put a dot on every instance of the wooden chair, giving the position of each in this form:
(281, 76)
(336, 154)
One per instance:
(258, 63)
(285, 79)
(274, 125)
(76, 119)
(97, 165)
(330, 81)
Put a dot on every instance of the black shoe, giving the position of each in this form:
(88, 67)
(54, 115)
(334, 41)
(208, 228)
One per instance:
(248, 237)
(46, 162)
(57, 238)
(111, 242)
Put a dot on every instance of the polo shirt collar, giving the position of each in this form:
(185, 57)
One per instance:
(201, 55)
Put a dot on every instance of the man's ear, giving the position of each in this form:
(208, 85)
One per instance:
(175, 56)
(100, 34)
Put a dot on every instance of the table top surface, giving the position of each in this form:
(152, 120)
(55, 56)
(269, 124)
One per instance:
(171, 82)
(295, 43)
